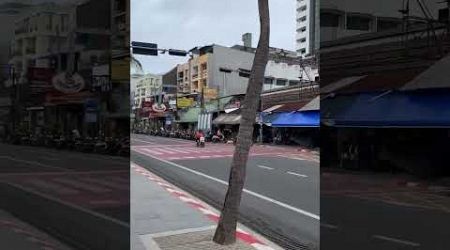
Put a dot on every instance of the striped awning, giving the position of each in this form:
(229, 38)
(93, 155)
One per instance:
(204, 121)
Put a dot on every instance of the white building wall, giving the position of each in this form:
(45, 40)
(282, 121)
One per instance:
(376, 9)
(303, 27)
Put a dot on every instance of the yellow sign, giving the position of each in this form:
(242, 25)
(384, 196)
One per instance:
(209, 94)
(120, 70)
(184, 102)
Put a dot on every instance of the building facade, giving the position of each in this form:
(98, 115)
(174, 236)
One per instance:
(307, 28)
(227, 69)
(146, 86)
(349, 18)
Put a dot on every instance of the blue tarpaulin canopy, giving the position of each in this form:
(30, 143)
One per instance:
(297, 119)
(393, 109)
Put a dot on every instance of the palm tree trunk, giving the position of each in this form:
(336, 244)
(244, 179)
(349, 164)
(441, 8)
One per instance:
(226, 229)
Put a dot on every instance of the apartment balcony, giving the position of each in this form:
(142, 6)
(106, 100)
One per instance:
(194, 76)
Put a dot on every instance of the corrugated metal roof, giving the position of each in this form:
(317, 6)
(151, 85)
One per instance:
(312, 105)
(437, 76)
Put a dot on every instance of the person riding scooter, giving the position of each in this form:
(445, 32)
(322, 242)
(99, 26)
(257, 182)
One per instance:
(200, 138)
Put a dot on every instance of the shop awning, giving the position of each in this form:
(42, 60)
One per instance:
(273, 108)
(227, 119)
(426, 108)
(297, 119)
(189, 116)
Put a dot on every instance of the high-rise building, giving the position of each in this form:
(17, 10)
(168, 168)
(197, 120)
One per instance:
(307, 18)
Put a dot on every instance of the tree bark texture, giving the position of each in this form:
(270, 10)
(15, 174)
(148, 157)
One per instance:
(226, 230)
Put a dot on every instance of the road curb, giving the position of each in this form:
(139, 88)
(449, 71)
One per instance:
(74, 225)
(253, 239)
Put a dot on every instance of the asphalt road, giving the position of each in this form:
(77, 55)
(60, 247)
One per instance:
(98, 183)
(355, 223)
(281, 196)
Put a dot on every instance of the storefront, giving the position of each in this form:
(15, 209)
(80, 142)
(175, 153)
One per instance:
(391, 132)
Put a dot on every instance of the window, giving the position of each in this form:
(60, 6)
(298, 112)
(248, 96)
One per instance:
(303, 29)
(302, 40)
(443, 15)
(388, 24)
(302, 51)
(302, 19)
(268, 81)
(329, 20)
(294, 83)
(357, 22)
(281, 82)
(302, 8)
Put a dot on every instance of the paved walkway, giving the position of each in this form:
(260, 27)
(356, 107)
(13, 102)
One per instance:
(165, 217)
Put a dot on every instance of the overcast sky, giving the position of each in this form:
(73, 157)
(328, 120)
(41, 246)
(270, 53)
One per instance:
(184, 24)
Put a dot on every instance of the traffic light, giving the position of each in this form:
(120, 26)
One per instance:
(141, 48)
(177, 52)
(244, 73)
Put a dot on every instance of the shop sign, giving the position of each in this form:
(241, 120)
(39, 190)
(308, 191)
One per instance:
(233, 106)
(40, 79)
(185, 102)
(91, 105)
(101, 83)
(120, 70)
(159, 108)
(147, 106)
(209, 93)
(68, 84)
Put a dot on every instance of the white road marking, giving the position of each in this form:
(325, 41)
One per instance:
(53, 187)
(296, 174)
(142, 141)
(83, 185)
(34, 163)
(326, 225)
(264, 167)
(395, 240)
(268, 199)
(151, 151)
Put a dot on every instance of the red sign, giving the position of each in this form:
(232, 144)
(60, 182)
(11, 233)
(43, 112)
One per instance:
(40, 74)
(40, 79)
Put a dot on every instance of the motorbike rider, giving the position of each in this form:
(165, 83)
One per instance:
(198, 135)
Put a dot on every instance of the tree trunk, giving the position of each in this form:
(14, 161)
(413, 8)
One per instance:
(226, 229)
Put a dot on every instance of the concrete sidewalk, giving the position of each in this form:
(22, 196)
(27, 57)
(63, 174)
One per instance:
(165, 217)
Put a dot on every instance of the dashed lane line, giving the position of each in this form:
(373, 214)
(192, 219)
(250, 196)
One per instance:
(296, 174)
(264, 167)
(395, 240)
(262, 197)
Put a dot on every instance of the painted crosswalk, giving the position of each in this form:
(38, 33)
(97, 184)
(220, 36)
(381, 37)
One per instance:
(92, 190)
(211, 151)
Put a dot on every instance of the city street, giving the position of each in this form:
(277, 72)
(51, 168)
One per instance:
(281, 195)
(356, 210)
(97, 182)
